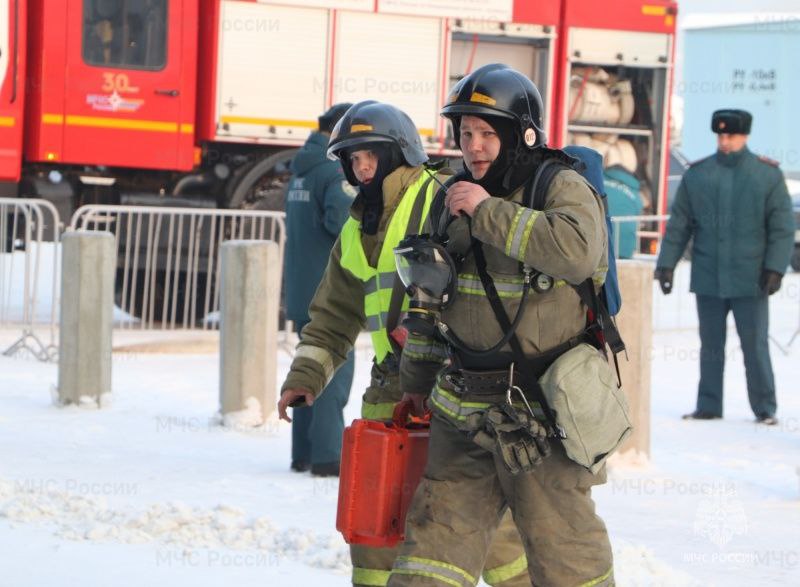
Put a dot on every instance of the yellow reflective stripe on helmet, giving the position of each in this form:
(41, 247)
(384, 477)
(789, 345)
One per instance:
(445, 572)
(382, 411)
(520, 232)
(505, 572)
(371, 577)
(605, 580)
(319, 355)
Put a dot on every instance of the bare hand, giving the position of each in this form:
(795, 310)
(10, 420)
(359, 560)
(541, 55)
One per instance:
(418, 400)
(464, 196)
(289, 396)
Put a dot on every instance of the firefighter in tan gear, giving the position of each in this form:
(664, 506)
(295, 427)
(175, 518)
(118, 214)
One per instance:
(381, 153)
(491, 449)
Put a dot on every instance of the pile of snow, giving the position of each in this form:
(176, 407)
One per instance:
(87, 518)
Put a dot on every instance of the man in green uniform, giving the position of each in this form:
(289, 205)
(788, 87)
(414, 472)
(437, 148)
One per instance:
(496, 113)
(736, 207)
(381, 153)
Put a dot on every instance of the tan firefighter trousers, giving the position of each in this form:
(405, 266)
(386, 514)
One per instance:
(464, 494)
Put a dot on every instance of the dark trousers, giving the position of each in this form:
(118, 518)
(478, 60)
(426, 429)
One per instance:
(317, 430)
(751, 315)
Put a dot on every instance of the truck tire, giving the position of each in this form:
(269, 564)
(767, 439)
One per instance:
(261, 184)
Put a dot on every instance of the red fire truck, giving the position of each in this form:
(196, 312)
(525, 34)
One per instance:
(201, 102)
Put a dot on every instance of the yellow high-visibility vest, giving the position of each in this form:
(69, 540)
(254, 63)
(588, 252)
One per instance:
(379, 281)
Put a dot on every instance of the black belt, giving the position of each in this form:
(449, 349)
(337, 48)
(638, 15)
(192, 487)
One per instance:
(495, 381)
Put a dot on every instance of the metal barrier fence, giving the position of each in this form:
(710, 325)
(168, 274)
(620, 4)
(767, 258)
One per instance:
(30, 230)
(168, 270)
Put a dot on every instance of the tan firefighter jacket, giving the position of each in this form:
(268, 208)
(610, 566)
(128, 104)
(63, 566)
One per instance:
(567, 241)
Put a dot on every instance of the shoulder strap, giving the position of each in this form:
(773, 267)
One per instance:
(398, 289)
(605, 329)
(536, 196)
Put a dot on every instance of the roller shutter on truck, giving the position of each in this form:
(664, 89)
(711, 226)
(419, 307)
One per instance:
(272, 71)
(395, 59)
(280, 67)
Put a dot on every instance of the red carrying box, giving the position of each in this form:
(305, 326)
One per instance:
(382, 463)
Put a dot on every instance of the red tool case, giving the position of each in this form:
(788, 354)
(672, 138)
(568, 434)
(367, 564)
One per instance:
(382, 463)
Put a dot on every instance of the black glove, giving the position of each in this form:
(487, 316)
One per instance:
(770, 281)
(664, 276)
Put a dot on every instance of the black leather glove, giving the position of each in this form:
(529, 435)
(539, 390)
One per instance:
(664, 276)
(770, 281)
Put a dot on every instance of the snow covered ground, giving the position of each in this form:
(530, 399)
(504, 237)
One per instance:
(150, 490)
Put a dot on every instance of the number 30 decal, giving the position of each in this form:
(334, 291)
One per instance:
(117, 82)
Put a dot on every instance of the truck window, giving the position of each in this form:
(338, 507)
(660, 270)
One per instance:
(130, 34)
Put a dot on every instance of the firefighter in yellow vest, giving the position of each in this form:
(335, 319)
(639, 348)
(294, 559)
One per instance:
(382, 155)
(505, 316)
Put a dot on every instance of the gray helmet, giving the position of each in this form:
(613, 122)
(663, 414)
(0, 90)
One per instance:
(375, 122)
(498, 90)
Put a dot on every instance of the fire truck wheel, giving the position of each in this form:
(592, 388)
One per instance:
(261, 185)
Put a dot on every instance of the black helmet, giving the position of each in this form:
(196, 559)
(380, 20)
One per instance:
(375, 122)
(329, 119)
(498, 90)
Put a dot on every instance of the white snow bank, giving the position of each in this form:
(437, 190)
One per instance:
(87, 518)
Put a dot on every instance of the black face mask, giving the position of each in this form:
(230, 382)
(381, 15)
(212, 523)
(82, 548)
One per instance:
(371, 194)
(515, 163)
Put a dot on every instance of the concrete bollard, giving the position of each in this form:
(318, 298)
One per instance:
(635, 322)
(249, 306)
(87, 310)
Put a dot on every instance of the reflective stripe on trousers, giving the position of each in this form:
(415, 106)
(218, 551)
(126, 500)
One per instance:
(503, 573)
(605, 580)
(443, 572)
(371, 577)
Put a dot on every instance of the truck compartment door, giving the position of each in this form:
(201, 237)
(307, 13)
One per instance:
(395, 59)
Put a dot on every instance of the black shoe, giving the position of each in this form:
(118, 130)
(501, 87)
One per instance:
(701, 415)
(767, 420)
(325, 469)
(300, 466)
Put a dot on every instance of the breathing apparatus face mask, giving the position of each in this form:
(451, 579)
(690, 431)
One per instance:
(429, 274)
